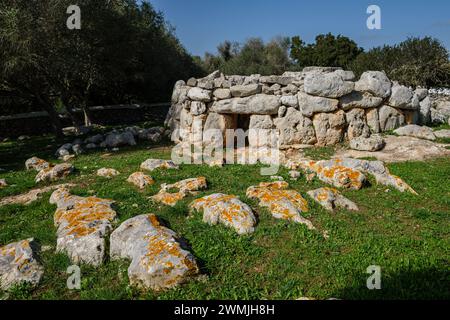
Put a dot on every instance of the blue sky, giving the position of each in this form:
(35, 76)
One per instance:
(202, 24)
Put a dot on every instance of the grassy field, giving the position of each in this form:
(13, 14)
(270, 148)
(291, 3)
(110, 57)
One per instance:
(406, 235)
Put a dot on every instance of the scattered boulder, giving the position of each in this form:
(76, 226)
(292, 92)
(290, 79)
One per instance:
(413, 130)
(282, 203)
(54, 173)
(120, 139)
(184, 188)
(18, 264)
(331, 199)
(226, 209)
(332, 172)
(158, 258)
(64, 150)
(372, 143)
(107, 172)
(442, 134)
(37, 164)
(3, 183)
(140, 180)
(82, 226)
(153, 164)
(31, 195)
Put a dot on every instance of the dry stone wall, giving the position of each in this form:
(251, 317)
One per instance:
(317, 106)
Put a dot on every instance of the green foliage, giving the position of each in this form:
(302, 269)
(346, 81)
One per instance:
(252, 57)
(414, 62)
(327, 51)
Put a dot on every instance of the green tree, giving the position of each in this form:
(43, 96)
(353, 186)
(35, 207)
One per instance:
(327, 51)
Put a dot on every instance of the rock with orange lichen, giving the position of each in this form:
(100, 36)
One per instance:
(18, 264)
(375, 168)
(159, 259)
(331, 199)
(153, 164)
(37, 164)
(83, 224)
(54, 173)
(140, 180)
(226, 209)
(334, 173)
(183, 189)
(281, 202)
(107, 172)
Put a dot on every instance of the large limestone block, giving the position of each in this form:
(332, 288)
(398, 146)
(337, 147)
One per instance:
(294, 128)
(330, 85)
(329, 127)
(413, 130)
(390, 118)
(403, 98)
(222, 93)
(226, 209)
(373, 120)
(372, 143)
(245, 90)
(374, 82)
(310, 105)
(18, 264)
(159, 260)
(82, 226)
(425, 111)
(257, 104)
(357, 126)
(199, 94)
(289, 101)
(358, 99)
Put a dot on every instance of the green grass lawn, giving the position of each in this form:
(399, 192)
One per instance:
(406, 235)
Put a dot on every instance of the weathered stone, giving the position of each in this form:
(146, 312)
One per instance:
(390, 118)
(64, 150)
(333, 172)
(289, 101)
(198, 94)
(374, 82)
(114, 140)
(251, 79)
(3, 183)
(192, 82)
(310, 105)
(260, 133)
(37, 164)
(282, 203)
(294, 128)
(107, 172)
(280, 80)
(32, 195)
(403, 97)
(153, 164)
(358, 99)
(54, 173)
(282, 111)
(330, 85)
(245, 90)
(82, 226)
(218, 121)
(19, 264)
(222, 94)
(140, 180)
(158, 259)
(98, 138)
(421, 93)
(198, 108)
(331, 199)
(257, 104)
(373, 120)
(357, 126)
(226, 209)
(329, 127)
(184, 188)
(425, 111)
(177, 89)
(290, 89)
(442, 134)
(372, 143)
(412, 130)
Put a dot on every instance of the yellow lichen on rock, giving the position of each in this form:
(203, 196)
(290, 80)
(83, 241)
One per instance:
(185, 187)
(140, 180)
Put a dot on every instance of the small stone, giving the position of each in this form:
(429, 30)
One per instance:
(331, 199)
(140, 180)
(3, 183)
(184, 188)
(54, 173)
(153, 164)
(107, 172)
(37, 164)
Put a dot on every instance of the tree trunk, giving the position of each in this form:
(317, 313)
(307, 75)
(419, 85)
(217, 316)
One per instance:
(87, 116)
